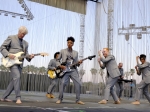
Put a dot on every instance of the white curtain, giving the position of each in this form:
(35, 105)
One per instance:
(51, 26)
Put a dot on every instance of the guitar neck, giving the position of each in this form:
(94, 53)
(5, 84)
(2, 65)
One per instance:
(77, 62)
(28, 55)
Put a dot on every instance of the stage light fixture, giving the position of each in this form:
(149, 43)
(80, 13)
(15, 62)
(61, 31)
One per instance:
(144, 29)
(139, 36)
(25, 9)
(5, 14)
(127, 37)
(21, 17)
(20, 1)
(23, 6)
(13, 16)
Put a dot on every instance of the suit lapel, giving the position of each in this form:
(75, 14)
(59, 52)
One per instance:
(24, 47)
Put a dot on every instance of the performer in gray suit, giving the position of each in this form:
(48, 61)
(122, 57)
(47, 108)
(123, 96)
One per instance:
(70, 56)
(113, 75)
(119, 84)
(14, 44)
(143, 69)
(52, 66)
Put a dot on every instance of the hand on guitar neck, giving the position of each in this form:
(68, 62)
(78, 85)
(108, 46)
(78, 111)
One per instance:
(11, 56)
(80, 62)
(31, 56)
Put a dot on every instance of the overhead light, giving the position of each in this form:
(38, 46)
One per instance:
(144, 29)
(127, 37)
(139, 36)
(5, 14)
(13, 16)
(27, 12)
(132, 25)
(23, 6)
(21, 17)
(20, 1)
(28, 18)
(25, 9)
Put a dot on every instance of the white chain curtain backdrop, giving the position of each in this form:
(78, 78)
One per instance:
(51, 26)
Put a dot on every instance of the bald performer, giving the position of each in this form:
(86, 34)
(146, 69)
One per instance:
(109, 62)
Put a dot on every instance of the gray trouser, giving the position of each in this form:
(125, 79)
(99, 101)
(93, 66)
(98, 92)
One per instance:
(15, 72)
(75, 78)
(119, 88)
(110, 88)
(142, 87)
(52, 86)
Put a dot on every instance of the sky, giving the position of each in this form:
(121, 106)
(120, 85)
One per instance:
(51, 26)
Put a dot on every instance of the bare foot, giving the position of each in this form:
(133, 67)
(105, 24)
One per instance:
(18, 101)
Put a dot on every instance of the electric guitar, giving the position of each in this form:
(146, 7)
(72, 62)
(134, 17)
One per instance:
(60, 73)
(7, 62)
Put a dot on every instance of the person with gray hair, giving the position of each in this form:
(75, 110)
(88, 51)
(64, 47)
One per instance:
(14, 44)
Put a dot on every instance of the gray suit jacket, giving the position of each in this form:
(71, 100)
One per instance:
(53, 64)
(63, 55)
(121, 71)
(111, 66)
(12, 45)
(144, 69)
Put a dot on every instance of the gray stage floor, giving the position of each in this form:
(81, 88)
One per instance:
(37, 102)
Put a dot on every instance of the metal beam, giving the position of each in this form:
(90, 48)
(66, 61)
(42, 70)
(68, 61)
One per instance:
(82, 34)
(134, 30)
(110, 24)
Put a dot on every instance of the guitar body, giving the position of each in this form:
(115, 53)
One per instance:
(7, 62)
(51, 74)
(60, 73)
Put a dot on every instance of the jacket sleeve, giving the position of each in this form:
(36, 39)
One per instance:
(103, 66)
(50, 67)
(108, 58)
(27, 54)
(121, 72)
(143, 65)
(139, 71)
(5, 46)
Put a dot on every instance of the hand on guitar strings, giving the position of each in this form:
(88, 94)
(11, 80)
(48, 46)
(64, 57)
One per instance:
(31, 56)
(62, 67)
(11, 56)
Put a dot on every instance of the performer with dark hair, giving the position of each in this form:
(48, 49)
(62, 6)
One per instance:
(119, 84)
(52, 66)
(70, 56)
(15, 44)
(112, 73)
(144, 69)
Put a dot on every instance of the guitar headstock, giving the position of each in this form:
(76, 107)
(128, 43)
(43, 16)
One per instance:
(44, 54)
(90, 57)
